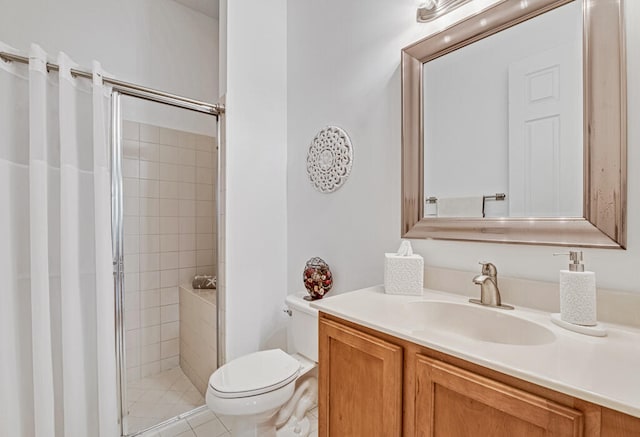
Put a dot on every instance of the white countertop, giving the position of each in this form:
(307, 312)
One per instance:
(602, 370)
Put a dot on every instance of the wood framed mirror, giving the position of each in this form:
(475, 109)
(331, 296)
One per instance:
(602, 139)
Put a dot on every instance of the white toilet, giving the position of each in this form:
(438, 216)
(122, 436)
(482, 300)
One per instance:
(258, 391)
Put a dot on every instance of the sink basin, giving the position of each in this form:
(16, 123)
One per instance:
(475, 322)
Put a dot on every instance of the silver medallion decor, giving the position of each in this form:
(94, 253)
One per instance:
(329, 159)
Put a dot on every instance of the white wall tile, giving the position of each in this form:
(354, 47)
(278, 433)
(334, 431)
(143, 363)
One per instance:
(169, 172)
(187, 275)
(133, 356)
(205, 241)
(149, 225)
(131, 282)
(187, 157)
(204, 175)
(170, 260)
(187, 208)
(204, 225)
(161, 208)
(132, 338)
(169, 295)
(149, 353)
(169, 154)
(169, 278)
(204, 258)
(130, 149)
(187, 173)
(149, 134)
(170, 363)
(133, 374)
(130, 168)
(150, 335)
(169, 348)
(149, 262)
(168, 136)
(149, 188)
(150, 369)
(130, 186)
(204, 208)
(131, 244)
(188, 242)
(187, 259)
(169, 225)
(169, 207)
(149, 243)
(169, 313)
(187, 225)
(204, 192)
(131, 206)
(169, 331)
(204, 159)
(149, 299)
(149, 207)
(131, 263)
(130, 130)
(132, 300)
(149, 317)
(131, 225)
(169, 190)
(149, 280)
(187, 191)
(169, 242)
(149, 152)
(131, 319)
(149, 170)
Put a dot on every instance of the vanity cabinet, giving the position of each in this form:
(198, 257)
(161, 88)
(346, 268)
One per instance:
(453, 402)
(361, 380)
(373, 384)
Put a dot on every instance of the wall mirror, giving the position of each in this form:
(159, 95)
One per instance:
(514, 127)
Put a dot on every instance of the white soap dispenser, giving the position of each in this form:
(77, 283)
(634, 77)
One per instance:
(577, 298)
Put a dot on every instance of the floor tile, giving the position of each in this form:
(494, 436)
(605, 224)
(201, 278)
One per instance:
(160, 397)
(213, 428)
(201, 417)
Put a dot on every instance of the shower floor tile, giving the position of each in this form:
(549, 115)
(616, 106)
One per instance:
(160, 397)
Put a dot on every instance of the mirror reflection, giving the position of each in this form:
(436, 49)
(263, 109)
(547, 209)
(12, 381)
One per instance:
(503, 123)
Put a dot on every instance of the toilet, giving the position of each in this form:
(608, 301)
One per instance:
(268, 393)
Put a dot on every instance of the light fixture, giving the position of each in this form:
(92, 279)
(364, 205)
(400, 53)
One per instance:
(429, 10)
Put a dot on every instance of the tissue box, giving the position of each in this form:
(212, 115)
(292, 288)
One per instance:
(403, 274)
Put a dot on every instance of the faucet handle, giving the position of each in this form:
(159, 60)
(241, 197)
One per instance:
(488, 268)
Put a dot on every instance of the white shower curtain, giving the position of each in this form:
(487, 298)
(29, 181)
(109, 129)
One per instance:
(57, 350)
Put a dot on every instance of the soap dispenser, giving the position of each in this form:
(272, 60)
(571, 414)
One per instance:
(577, 292)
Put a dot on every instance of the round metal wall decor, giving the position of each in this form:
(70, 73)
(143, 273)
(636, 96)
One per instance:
(329, 159)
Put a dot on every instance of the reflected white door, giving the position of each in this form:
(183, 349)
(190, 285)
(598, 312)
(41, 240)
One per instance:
(545, 134)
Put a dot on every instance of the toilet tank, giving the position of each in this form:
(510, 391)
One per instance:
(303, 326)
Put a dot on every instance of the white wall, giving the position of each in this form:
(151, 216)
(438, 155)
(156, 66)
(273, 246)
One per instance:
(344, 69)
(256, 156)
(157, 43)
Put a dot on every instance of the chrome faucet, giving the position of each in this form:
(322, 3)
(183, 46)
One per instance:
(489, 292)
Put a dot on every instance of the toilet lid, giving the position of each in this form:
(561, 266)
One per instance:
(254, 374)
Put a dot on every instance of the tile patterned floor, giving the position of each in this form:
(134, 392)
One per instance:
(206, 424)
(160, 397)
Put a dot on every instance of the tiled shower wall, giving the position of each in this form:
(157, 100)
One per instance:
(169, 227)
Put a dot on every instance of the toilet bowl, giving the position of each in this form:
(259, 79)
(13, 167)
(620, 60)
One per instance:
(268, 393)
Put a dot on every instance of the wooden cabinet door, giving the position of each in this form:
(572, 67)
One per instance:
(360, 390)
(452, 402)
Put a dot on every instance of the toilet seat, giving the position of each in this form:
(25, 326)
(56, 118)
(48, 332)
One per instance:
(254, 374)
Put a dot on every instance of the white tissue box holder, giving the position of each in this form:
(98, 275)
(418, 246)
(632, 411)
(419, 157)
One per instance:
(403, 274)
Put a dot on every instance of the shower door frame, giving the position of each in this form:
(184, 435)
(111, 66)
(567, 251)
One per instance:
(120, 89)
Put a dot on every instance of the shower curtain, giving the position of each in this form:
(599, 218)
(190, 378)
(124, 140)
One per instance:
(57, 350)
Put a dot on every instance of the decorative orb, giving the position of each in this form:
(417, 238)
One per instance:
(317, 277)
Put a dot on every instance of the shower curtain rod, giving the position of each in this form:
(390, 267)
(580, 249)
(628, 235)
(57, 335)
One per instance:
(131, 89)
